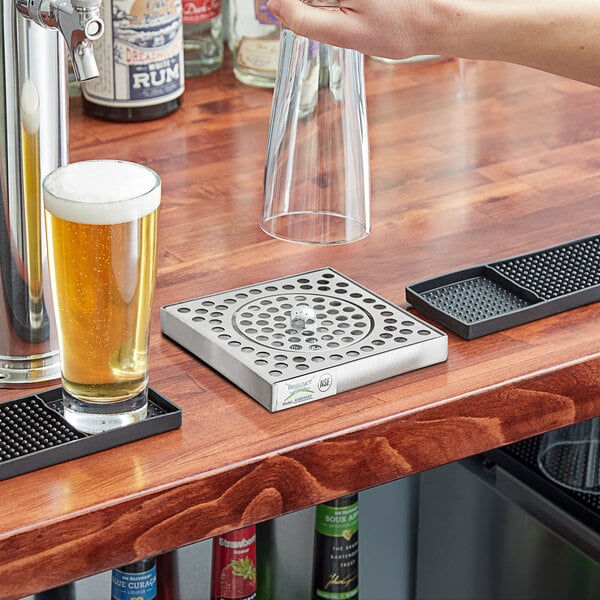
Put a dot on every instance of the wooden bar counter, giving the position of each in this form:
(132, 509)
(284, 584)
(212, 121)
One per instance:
(471, 162)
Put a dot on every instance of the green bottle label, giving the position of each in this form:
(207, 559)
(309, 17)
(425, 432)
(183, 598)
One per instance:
(337, 521)
(335, 575)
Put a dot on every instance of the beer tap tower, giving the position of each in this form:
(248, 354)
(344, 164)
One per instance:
(34, 141)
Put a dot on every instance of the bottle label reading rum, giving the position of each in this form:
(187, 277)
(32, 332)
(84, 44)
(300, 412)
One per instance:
(140, 55)
(335, 574)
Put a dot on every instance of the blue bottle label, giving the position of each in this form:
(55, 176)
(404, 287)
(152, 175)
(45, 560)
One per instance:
(134, 586)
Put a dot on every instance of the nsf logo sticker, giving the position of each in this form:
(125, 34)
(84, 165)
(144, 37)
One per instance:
(301, 390)
(325, 382)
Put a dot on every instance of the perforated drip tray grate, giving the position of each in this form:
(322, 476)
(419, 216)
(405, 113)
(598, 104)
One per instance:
(34, 433)
(488, 298)
(297, 339)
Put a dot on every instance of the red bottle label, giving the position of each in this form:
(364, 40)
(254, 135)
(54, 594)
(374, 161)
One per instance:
(198, 11)
(234, 565)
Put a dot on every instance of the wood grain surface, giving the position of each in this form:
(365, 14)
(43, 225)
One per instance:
(471, 162)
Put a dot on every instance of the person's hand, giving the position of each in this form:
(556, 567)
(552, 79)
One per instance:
(386, 28)
(559, 36)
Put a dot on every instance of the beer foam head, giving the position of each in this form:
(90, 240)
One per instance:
(101, 192)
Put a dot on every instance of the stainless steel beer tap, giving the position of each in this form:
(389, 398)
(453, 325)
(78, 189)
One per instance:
(79, 23)
(33, 142)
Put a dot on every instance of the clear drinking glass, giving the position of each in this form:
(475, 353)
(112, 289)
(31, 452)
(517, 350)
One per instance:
(316, 185)
(101, 221)
(570, 456)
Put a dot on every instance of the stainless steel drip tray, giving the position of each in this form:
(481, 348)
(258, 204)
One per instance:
(290, 341)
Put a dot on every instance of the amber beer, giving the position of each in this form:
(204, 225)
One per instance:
(101, 219)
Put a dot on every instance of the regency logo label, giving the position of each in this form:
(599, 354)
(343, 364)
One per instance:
(304, 389)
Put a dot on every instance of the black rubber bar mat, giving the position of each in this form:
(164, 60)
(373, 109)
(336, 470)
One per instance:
(491, 297)
(34, 433)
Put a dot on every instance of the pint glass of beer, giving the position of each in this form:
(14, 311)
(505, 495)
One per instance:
(101, 221)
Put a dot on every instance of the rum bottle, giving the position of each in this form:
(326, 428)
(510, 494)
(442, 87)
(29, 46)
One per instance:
(140, 58)
(202, 36)
(335, 560)
(234, 565)
(254, 42)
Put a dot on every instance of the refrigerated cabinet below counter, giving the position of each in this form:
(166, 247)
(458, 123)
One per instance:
(492, 527)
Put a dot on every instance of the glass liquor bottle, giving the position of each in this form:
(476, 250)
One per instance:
(167, 572)
(202, 36)
(233, 573)
(254, 42)
(140, 58)
(335, 559)
(136, 581)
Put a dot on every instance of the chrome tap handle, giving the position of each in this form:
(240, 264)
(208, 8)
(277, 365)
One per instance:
(78, 21)
(80, 24)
